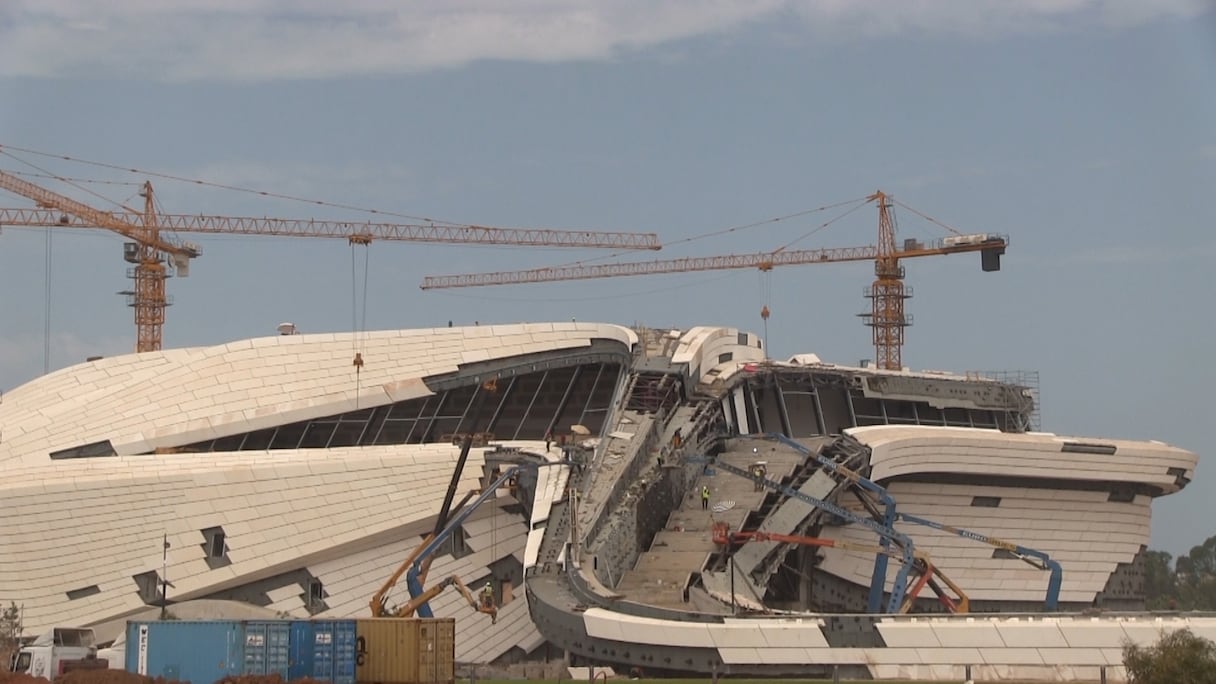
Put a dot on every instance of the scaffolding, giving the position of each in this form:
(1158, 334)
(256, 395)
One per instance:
(1027, 380)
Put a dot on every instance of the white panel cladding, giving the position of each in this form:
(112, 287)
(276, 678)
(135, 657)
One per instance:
(701, 347)
(744, 420)
(609, 625)
(1095, 634)
(912, 634)
(902, 450)
(738, 634)
(726, 403)
(1031, 634)
(967, 633)
(806, 632)
(532, 550)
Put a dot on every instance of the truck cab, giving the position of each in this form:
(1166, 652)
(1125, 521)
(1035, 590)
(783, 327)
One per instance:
(57, 652)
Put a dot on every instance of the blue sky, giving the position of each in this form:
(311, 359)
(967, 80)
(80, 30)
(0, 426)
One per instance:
(1083, 129)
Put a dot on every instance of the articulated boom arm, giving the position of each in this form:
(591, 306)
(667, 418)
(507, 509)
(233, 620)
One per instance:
(1034, 558)
(413, 604)
(419, 561)
(887, 533)
(925, 570)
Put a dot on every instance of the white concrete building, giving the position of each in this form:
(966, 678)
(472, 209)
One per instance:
(284, 476)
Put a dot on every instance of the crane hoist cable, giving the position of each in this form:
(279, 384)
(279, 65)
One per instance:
(5, 150)
(766, 296)
(358, 309)
(46, 313)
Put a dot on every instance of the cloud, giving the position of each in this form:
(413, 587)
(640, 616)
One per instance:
(258, 40)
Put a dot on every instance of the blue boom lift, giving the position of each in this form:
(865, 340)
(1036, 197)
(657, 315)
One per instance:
(882, 523)
(1032, 557)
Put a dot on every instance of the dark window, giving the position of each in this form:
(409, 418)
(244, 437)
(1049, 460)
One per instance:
(258, 441)
(394, 431)
(742, 339)
(288, 436)
(347, 434)
(1004, 554)
(1083, 448)
(230, 443)
(83, 592)
(94, 450)
(1122, 496)
(149, 587)
(723, 358)
(986, 501)
(317, 435)
(529, 404)
(314, 596)
(215, 546)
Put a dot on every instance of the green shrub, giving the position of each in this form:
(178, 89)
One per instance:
(1178, 657)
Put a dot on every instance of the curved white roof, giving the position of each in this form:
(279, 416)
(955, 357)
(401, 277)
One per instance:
(904, 450)
(346, 515)
(167, 398)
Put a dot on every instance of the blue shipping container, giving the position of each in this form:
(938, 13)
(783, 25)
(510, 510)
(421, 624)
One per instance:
(188, 651)
(266, 647)
(323, 650)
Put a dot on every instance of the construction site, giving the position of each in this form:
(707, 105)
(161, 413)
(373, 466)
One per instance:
(660, 501)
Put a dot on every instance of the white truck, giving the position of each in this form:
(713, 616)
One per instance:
(60, 650)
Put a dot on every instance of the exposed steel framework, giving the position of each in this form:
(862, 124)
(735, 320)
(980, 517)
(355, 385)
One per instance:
(886, 317)
(150, 250)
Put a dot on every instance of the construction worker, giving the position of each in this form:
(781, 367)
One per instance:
(705, 497)
(487, 596)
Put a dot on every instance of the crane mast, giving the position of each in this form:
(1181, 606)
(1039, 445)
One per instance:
(148, 298)
(886, 317)
(149, 249)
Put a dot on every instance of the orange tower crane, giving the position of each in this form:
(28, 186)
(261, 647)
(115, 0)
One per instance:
(887, 294)
(150, 250)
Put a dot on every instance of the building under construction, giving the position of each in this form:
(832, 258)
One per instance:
(669, 500)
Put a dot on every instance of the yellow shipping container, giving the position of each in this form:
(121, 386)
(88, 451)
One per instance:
(405, 651)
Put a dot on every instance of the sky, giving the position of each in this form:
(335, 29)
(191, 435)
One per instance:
(1084, 130)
